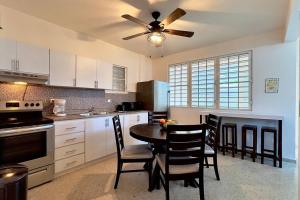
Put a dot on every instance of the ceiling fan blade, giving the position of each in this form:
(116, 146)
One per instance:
(176, 14)
(136, 35)
(136, 20)
(179, 32)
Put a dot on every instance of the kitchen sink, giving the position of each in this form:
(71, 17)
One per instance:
(89, 114)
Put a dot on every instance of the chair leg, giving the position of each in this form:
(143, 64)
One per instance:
(150, 175)
(201, 188)
(167, 189)
(206, 162)
(118, 174)
(215, 159)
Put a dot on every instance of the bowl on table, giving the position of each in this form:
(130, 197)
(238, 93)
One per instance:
(165, 122)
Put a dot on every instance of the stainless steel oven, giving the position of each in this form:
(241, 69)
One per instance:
(30, 142)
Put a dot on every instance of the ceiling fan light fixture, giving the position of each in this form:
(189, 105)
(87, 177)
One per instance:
(156, 38)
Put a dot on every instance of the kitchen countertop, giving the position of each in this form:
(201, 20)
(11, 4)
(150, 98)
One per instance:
(78, 116)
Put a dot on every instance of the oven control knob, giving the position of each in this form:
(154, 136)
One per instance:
(26, 104)
(37, 104)
(32, 104)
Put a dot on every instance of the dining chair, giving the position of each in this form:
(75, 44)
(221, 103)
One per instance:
(154, 117)
(131, 153)
(184, 157)
(212, 141)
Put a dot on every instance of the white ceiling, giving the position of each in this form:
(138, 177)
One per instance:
(213, 21)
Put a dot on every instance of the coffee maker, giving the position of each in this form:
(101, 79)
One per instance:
(59, 107)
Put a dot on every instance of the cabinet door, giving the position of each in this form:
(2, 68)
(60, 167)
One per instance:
(129, 121)
(95, 138)
(110, 136)
(32, 59)
(142, 118)
(104, 75)
(62, 69)
(86, 72)
(8, 53)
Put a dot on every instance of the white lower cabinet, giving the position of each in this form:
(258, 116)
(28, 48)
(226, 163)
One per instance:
(80, 141)
(131, 120)
(69, 144)
(68, 163)
(95, 138)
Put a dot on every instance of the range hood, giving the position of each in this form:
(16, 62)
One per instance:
(10, 77)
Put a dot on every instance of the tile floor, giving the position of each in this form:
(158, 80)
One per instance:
(240, 180)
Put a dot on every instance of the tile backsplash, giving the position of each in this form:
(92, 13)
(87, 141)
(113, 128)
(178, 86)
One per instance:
(77, 99)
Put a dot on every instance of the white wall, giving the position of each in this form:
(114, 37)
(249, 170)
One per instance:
(271, 58)
(22, 27)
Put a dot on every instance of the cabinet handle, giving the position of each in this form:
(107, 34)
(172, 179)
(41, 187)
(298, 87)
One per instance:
(18, 64)
(13, 65)
(70, 163)
(95, 84)
(70, 152)
(138, 118)
(70, 140)
(70, 128)
(74, 82)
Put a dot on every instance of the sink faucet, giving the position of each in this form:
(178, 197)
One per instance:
(91, 109)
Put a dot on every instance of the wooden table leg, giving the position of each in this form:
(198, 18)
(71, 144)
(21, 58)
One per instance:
(280, 142)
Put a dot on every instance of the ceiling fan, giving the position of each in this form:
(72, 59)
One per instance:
(156, 29)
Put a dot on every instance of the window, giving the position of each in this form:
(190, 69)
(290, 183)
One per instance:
(234, 86)
(203, 83)
(178, 79)
(222, 82)
(119, 78)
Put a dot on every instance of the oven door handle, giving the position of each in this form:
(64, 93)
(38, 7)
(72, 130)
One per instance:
(19, 131)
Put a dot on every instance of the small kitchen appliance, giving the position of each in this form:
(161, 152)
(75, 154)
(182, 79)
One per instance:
(59, 107)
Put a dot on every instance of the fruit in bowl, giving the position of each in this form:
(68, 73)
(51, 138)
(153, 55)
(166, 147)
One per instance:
(165, 122)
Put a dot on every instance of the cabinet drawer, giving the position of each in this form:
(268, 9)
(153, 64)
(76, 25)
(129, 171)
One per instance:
(65, 140)
(66, 127)
(68, 151)
(69, 163)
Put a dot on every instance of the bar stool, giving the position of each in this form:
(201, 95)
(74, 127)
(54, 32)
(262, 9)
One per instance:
(273, 152)
(247, 149)
(225, 143)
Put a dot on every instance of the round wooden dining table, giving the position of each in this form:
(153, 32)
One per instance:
(151, 133)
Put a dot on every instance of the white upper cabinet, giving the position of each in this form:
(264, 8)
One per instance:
(132, 78)
(8, 54)
(62, 69)
(32, 59)
(86, 74)
(104, 75)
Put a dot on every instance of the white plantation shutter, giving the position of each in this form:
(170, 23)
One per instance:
(235, 82)
(203, 83)
(178, 80)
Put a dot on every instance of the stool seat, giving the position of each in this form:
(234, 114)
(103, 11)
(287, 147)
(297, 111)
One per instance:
(229, 125)
(268, 129)
(249, 127)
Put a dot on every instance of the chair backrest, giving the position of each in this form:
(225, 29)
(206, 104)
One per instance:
(154, 117)
(118, 134)
(213, 130)
(185, 145)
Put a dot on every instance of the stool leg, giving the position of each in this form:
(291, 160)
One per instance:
(254, 144)
(235, 136)
(232, 141)
(226, 138)
(243, 142)
(275, 150)
(223, 139)
(262, 147)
